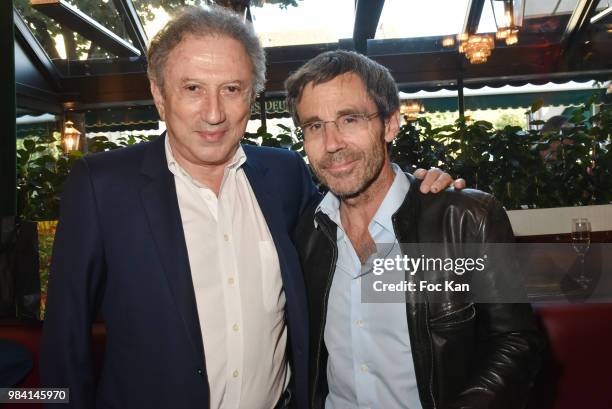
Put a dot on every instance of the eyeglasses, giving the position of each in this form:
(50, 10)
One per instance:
(346, 124)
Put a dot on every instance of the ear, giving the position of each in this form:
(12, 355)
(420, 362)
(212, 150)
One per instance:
(392, 126)
(159, 100)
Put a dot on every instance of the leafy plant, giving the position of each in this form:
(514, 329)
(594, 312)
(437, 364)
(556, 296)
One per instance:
(287, 139)
(42, 169)
(565, 167)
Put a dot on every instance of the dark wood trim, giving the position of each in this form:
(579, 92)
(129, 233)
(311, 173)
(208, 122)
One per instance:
(132, 24)
(472, 18)
(367, 15)
(8, 153)
(35, 51)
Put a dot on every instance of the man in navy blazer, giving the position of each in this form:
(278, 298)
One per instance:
(123, 242)
(139, 243)
(120, 248)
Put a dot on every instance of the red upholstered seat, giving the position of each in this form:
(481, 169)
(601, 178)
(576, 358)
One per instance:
(28, 334)
(577, 370)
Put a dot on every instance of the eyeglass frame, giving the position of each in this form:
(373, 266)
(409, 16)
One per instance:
(367, 117)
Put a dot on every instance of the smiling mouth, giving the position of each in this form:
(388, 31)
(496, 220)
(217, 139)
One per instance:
(211, 136)
(341, 167)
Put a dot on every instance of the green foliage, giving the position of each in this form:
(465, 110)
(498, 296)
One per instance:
(506, 119)
(287, 139)
(521, 168)
(42, 169)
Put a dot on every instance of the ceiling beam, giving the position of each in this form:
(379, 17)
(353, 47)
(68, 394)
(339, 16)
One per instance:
(75, 20)
(133, 24)
(578, 21)
(472, 16)
(35, 51)
(602, 14)
(367, 15)
(8, 154)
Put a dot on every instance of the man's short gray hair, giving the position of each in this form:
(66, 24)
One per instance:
(377, 79)
(200, 22)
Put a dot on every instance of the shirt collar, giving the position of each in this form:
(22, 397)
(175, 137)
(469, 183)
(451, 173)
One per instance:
(237, 161)
(330, 205)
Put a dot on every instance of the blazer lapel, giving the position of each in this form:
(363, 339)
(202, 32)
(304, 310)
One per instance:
(160, 203)
(272, 212)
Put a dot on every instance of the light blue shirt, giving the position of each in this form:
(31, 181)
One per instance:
(370, 360)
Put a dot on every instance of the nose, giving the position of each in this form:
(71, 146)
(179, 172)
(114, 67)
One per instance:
(213, 111)
(333, 139)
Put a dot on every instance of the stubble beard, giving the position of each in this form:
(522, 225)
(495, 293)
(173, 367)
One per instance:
(373, 168)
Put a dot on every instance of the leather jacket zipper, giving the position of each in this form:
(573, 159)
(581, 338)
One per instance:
(429, 337)
(431, 368)
(324, 318)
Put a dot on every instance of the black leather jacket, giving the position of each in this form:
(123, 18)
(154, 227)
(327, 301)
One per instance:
(465, 355)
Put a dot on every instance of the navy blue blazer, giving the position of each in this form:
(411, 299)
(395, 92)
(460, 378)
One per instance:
(120, 250)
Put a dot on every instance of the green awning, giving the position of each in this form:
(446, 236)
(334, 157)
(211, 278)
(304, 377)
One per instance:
(525, 100)
(277, 107)
(139, 118)
(36, 130)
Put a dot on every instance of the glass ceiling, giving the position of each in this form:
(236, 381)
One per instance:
(154, 15)
(542, 8)
(277, 22)
(311, 22)
(61, 43)
(541, 16)
(604, 4)
(406, 19)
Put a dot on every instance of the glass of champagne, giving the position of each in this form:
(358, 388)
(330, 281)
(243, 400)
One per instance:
(581, 240)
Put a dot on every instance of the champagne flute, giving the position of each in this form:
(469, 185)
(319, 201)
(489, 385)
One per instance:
(581, 241)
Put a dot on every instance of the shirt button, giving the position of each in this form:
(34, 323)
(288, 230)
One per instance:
(236, 327)
(226, 237)
(364, 368)
(236, 373)
(360, 323)
(200, 372)
(231, 281)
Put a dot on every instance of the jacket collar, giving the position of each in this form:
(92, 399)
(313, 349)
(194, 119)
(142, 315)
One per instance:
(154, 161)
(405, 218)
(254, 163)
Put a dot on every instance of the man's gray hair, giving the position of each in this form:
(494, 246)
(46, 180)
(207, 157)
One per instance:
(377, 79)
(200, 22)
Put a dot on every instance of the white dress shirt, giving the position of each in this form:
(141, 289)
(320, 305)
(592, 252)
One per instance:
(238, 288)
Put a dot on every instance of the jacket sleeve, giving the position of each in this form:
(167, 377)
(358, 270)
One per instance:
(76, 286)
(509, 345)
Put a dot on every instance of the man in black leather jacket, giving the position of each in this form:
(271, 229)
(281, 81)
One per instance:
(450, 353)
